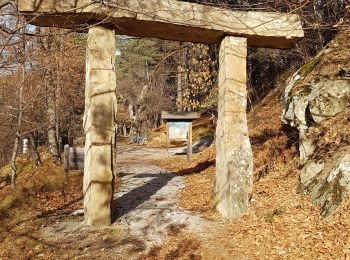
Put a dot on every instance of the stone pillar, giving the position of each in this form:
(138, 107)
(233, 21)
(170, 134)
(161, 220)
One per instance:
(234, 159)
(100, 98)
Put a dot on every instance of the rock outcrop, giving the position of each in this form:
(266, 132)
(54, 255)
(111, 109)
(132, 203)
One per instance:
(317, 101)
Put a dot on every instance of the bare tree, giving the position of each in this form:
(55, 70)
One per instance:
(21, 73)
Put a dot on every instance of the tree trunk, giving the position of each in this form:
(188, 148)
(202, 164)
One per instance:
(14, 154)
(132, 117)
(51, 85)
(51, 132)
(179, 92)
(138, 116)
(58, 135)
(58, 93)
(21, 74)
(35, 152)
(156, 121)
(181, 72)
(124, 130)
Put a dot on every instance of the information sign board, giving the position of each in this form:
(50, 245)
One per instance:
(178, 130)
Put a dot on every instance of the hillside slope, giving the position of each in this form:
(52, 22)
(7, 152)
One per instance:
(280, 223)
(317, 104)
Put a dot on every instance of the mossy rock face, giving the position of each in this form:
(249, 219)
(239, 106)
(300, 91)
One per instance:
(321, 88)
(318, 92)
(327, 182)
(332, 62)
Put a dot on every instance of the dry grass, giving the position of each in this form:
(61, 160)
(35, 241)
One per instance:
(40, 193)
(43, 188)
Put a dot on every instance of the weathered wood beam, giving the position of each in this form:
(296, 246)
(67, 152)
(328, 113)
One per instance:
(168, 19)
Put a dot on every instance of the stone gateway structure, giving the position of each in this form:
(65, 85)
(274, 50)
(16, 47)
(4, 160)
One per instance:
(170, 20)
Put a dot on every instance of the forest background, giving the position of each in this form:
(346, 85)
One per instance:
(42, 75)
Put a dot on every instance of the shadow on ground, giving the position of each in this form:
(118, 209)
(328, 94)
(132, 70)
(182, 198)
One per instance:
(199, 146)
(134, 198)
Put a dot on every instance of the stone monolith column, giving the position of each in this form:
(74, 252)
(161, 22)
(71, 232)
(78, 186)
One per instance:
(234, 159)
(100, 98)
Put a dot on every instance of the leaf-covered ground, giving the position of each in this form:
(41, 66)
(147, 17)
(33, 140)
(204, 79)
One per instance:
(36, 221)
(280, 224)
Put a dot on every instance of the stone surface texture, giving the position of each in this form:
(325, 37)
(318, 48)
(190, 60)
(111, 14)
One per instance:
(234, 159)
(327, 180)
(318, 92)
(168, 19)
(100, 98)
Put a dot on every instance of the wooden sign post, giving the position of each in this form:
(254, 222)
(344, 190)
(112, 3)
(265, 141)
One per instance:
(179, 128)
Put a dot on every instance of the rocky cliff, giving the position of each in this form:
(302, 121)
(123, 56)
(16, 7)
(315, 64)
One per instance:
(317, 100)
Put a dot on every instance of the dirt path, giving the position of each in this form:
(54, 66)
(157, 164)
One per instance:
(145, 211)
(146, 202)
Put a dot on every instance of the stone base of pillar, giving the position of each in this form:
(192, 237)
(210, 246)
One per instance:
(100, 98)
(234, 159)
